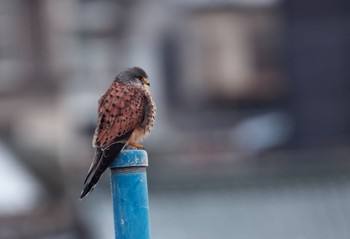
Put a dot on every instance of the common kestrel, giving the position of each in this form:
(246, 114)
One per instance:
(126, 114)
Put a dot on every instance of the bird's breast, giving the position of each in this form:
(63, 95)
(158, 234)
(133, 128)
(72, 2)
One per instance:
(148, 122)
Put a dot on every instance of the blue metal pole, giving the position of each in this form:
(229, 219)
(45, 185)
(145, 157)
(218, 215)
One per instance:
(130, 195)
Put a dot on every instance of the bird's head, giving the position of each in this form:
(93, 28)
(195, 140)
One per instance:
(134, 75)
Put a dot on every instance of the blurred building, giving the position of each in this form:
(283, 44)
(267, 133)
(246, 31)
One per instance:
(253, 126)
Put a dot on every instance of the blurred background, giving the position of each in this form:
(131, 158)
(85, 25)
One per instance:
(252, 138)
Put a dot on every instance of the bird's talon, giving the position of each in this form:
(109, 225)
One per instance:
(134, 145)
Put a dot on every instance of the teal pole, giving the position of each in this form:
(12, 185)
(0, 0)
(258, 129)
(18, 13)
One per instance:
(130, 195)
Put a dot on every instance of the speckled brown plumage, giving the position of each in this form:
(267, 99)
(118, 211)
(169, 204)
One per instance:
(121, 109)
(126, 114)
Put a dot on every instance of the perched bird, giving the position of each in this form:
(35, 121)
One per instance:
(126, 114)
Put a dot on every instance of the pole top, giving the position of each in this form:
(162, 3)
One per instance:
(130, 158)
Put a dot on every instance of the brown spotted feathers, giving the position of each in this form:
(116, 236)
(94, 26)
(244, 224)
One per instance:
(126, 114)
(121, 109)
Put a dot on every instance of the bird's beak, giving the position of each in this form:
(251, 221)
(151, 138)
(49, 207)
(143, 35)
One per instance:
(146, 81)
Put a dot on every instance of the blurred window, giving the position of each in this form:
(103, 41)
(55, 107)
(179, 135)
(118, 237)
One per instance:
(229, 57)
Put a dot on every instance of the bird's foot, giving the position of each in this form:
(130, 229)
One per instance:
(134, 145)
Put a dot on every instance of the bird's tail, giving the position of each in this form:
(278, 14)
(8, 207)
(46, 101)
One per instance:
(102, 160)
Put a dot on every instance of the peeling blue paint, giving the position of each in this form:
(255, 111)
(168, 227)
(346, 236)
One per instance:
(130, 195)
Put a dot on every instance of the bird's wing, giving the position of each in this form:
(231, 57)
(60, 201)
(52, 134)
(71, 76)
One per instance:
(121, 109)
